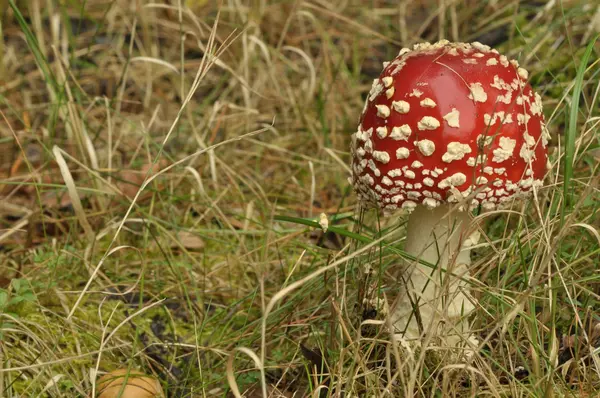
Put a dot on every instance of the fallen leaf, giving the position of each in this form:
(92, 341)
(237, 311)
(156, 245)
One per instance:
(188, 240)
(131, 180)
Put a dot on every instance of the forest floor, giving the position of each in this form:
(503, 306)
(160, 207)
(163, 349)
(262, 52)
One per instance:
(163, 169)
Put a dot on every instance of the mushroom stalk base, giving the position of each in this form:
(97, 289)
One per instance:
(434, 301)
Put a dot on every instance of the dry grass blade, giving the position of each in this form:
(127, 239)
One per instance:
(231, 376)
(157, 62)
(106, 339)
(73, 194)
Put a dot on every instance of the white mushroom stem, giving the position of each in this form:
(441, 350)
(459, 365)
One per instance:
(440, 293)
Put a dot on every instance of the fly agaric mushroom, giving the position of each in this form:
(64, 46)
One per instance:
(447, 127)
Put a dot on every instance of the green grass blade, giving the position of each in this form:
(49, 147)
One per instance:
(344, 232)
(34, 46)
(571, 132)
(312, 223)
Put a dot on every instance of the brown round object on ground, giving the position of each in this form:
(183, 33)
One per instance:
(126, 383)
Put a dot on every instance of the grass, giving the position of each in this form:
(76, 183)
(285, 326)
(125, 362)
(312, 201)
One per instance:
(163, 167)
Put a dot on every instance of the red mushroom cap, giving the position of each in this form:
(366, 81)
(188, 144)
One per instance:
(446, 122)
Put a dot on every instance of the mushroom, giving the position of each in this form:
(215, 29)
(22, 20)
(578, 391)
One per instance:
(447, 127)
(125, 383)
